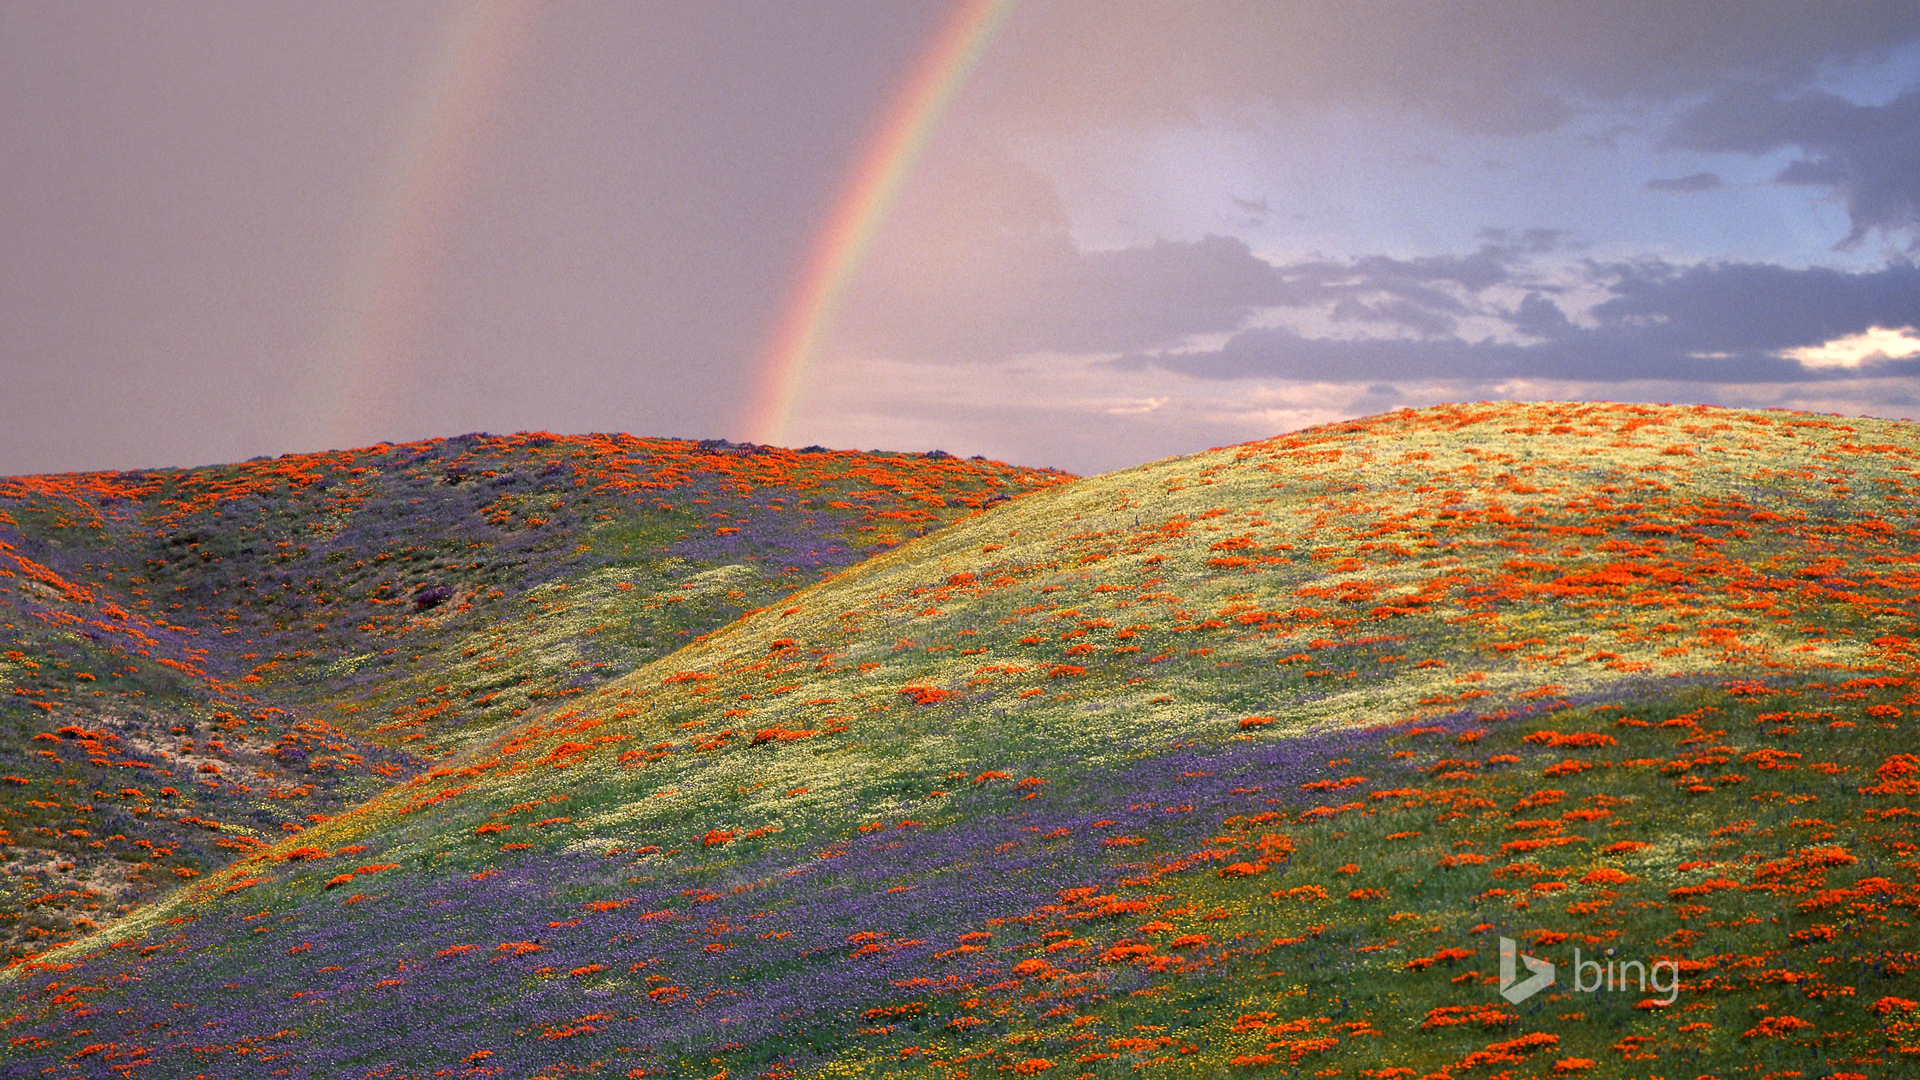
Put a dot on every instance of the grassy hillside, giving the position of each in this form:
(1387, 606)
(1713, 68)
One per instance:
(199, 661)
(1236, 764)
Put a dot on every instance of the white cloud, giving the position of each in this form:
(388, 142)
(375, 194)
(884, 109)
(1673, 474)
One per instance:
(1857, 350)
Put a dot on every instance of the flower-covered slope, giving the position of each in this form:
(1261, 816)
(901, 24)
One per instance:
(196, 662)
(1234, 764)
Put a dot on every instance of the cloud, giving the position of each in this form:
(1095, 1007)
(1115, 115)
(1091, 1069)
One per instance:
(1066, 300)
(1280, 353)
(1534, 241)
(980, 268)
(1406, 314)
(1712, 324)
(1719, 323)
(1090, 417)
(1003, 293)
(1870, 154)
(978, 262)
(1538, 316)
(1753, 307)
(1687, 185)
(1498, 66)
(1853, 351)
(1726, 333)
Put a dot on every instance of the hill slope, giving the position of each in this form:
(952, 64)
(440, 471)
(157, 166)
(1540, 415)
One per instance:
(197, 661)
(1243, 761)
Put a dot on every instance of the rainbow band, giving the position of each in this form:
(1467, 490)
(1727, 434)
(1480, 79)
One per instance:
(389, 285)
(862, 207)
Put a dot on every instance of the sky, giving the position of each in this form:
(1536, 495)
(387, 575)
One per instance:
(1077, 233)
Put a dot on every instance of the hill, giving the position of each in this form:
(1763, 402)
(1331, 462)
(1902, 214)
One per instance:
(1242, 763)
(200, 661)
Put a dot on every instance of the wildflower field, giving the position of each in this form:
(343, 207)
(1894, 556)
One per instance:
(1238, 764)
(198, 663)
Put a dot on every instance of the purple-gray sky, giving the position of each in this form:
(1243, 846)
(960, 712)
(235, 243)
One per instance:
(1143, 227)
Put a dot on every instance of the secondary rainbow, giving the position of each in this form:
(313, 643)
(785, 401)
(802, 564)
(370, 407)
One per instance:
(862, 207)
(390, 281)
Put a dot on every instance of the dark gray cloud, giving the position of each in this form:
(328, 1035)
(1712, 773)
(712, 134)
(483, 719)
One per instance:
(1483, 269)
(1063, 299)
(1504, 66)
(981, 263)
(1870, 154)
(1015, 292)
(1422, 319)
(1710, 324)
(1538, 316)
(1753, 306)
(1161, 292)
(1276, 353)
(1686, 185)
(986, 267)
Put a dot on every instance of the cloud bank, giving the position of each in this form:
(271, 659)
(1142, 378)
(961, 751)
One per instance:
(1869, 154)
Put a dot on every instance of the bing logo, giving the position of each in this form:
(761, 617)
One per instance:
(1539, 973)
(1589, 976)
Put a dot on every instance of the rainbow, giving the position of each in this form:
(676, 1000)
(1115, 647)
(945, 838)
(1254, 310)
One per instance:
(402, 241)
(862, 206)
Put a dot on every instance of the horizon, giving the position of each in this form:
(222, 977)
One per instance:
(384, 445)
